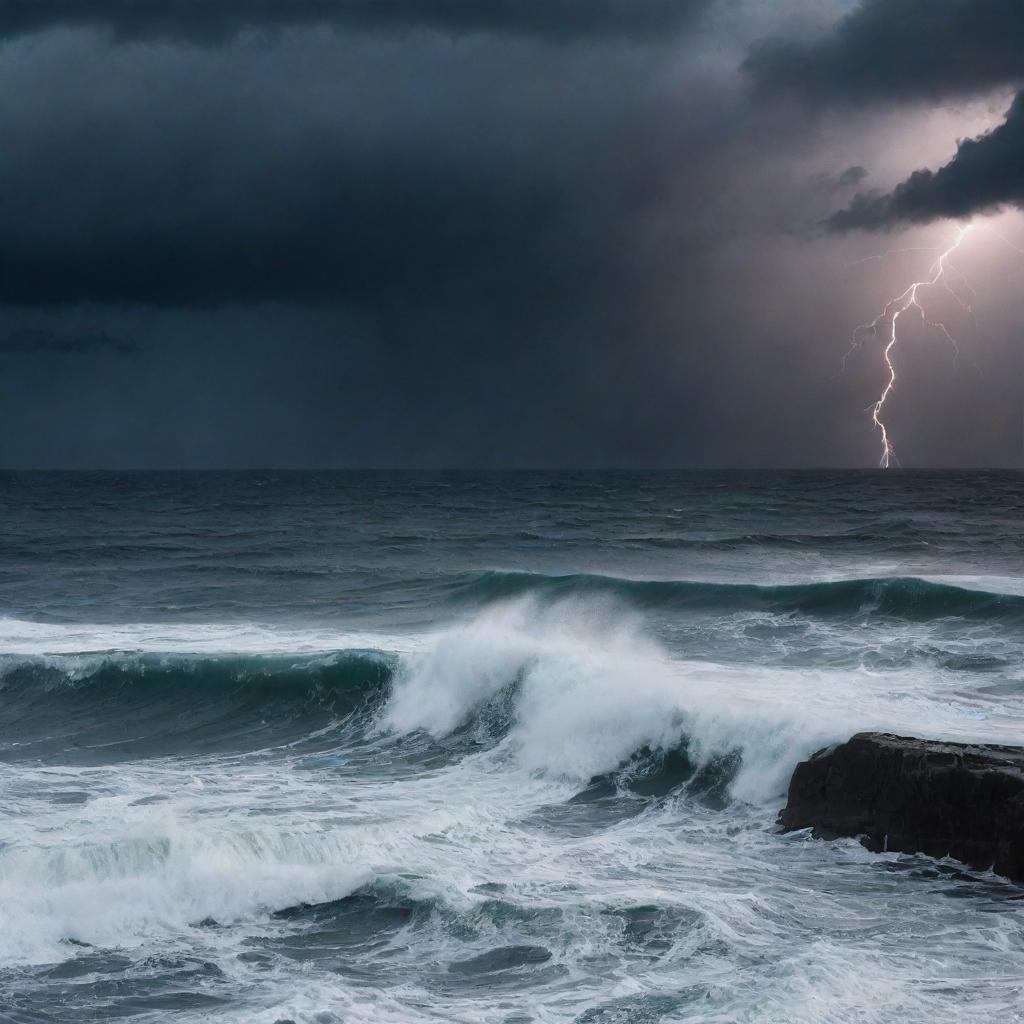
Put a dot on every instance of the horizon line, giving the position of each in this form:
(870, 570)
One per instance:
(892, 470)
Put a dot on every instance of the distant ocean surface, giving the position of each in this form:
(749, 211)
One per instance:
(491, 747)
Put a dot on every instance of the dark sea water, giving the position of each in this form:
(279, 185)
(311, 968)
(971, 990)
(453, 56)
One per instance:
(490, 747)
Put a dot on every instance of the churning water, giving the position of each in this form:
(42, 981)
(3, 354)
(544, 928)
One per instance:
(490, 747)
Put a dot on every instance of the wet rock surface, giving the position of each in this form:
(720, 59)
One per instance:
(898, 793)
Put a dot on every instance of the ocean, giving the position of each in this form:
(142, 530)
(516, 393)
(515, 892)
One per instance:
(491, 747)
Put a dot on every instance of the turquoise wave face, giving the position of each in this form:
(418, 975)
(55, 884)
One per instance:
(109, 707)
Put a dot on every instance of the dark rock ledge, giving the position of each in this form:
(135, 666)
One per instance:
(958, 800)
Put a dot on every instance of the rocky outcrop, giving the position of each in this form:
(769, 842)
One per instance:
(964, 801)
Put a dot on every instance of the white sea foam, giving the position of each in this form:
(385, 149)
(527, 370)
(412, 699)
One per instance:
(22, 637)
(155, 848)
(114, 874)
(779, 928)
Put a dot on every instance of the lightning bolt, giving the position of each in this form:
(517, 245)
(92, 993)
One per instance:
(942, 274)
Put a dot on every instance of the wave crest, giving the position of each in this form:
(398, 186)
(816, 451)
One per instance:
(901, 597)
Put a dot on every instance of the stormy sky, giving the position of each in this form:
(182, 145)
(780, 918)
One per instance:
(505, 233)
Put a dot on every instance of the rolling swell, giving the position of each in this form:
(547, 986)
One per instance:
(137, 705)
(901, 597)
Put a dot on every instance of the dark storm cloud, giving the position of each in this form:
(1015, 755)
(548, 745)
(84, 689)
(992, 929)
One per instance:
(210, 21)
(986, 173)
(403, 249)
(424, 180)
(408, 174)
(903, 50)
(35, 340)
(886, 50)
(462, 244)
(361, 236)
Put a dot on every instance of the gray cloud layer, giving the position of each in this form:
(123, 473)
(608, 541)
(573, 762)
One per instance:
(403, 248)
(212, 183)
(885, 50)
(211, 22)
